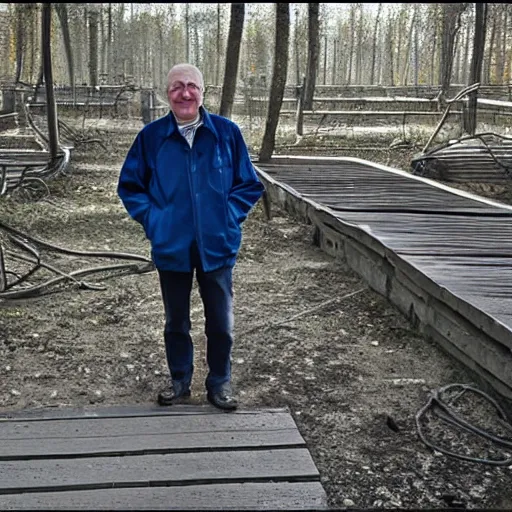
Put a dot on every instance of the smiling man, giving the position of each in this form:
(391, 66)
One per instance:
(189, 181)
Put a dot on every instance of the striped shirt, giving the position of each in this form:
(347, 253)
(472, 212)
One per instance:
(189, 130)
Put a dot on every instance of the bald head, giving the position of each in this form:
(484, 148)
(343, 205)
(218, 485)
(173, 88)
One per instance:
(179, 70)
(185, 92)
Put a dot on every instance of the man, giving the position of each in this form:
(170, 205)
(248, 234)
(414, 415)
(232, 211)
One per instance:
(189, 181)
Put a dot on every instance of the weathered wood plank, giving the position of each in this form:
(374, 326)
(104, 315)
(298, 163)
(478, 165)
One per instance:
(156, 425)
(438, 234)
(124, 411)
(167, 469)
(143, 443)
(247, 496)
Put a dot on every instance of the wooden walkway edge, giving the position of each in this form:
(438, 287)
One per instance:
(143, 457)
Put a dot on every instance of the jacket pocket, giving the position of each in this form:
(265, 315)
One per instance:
(158, 225)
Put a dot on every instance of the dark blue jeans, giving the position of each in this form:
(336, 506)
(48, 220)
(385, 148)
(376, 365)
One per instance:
(217, 296)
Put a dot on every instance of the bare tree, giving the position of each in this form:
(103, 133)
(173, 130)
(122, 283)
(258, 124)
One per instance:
(20, 40)
(359, 47)
(278, 80)
(435, 21)
(374, 47)
(187, 20)
(324, 81)
(351, 47)
(476, 64)
(109, 41)
(236, 25)
(408, 46)
(93, 45)
(51, 107)
(313, 53)
(491, 17)
(389, 45)
(416, 46)
(296, 46)
(465, 58)
(451, 25)
(217, 60)
(501, 46)
(62, 13)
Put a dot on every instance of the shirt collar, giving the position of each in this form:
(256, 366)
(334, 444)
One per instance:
(205, 116)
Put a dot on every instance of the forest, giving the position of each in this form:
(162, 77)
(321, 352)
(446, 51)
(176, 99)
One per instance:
(357, 43)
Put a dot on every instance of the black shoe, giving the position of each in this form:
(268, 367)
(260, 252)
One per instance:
(174, 393)
(223, 398)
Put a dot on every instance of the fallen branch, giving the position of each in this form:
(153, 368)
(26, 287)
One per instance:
(266, 326)
(36, 290)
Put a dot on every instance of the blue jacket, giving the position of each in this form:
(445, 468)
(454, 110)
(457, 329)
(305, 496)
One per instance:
(181, 194)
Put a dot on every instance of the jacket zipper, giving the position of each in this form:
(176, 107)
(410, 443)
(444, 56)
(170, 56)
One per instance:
(195, 207)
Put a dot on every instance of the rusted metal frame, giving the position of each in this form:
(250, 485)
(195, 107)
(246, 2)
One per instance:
(461, 94)
(22, 178)
(499, 164)
(447, 144)
(479, 136)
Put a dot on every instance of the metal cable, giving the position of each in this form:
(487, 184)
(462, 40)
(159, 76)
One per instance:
(436, 402)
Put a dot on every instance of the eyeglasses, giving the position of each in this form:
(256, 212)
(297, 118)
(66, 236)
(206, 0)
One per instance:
(180, 86)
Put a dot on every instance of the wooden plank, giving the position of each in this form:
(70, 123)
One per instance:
(171, 442)
(168, 469)
(439, 234)
(101, 427)
(125, 411)
(246, 496)
(374, 187)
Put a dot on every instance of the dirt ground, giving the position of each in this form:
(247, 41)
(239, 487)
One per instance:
(310, 336)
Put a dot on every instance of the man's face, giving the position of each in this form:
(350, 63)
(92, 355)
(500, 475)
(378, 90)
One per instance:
(185, 93)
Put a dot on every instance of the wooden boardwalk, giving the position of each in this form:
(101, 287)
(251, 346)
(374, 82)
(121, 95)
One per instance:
(442, 256)
(176, 458)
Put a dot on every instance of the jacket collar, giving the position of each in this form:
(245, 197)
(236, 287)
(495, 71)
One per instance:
(205, 116)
